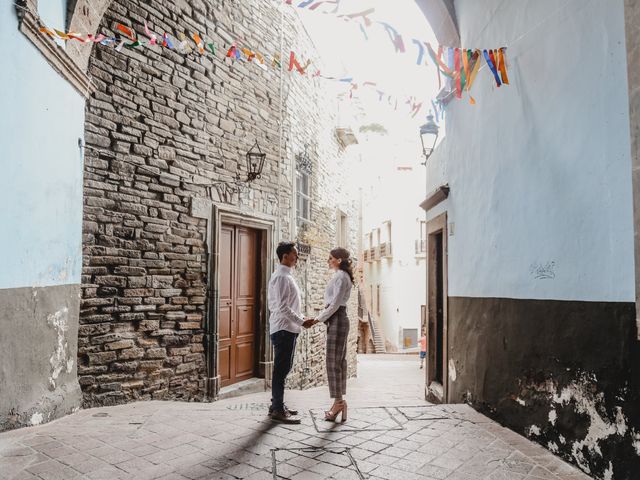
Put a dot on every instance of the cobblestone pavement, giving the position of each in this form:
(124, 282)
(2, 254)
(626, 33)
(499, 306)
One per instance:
(391, 434)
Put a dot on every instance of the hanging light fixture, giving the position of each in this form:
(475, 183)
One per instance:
(255, 163)
(428, 137)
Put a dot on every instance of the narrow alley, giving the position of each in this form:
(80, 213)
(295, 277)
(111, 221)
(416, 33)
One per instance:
(208, 202)
(391, 434)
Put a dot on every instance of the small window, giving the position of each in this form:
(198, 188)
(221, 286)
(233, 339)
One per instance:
(371, 298)
(421, 243)
(378, 300)
(303, 198)
(386, 233)
(342, 229)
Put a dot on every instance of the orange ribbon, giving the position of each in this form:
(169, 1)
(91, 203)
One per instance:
(503, 65)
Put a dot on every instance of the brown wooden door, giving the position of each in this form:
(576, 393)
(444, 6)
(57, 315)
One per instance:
(239, 303)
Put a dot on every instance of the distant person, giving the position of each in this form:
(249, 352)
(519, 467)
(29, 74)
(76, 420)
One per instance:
(284, 326)
(336, 296)
(423, 349)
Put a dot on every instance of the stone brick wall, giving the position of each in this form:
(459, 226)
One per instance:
(161, 127)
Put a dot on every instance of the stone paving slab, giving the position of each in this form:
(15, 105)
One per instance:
(234, 439)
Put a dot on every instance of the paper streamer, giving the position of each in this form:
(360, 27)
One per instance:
(488, 56)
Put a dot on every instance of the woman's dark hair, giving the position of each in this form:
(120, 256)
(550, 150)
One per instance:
(346, 263)
(284, 248)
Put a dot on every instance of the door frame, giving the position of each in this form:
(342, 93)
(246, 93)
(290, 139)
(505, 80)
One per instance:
(435, 226)
(267, 227)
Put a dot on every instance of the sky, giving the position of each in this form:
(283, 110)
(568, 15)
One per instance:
(346, 52)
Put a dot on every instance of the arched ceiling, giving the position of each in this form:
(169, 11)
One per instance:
(441, 15)
(86, 15)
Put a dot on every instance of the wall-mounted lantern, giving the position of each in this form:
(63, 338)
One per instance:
(255, 164)
(428, 137)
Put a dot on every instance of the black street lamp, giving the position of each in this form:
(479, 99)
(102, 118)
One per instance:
(428, 137)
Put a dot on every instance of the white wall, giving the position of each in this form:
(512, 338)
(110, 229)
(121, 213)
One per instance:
(40, 166)
(540, 170)
(390, 194)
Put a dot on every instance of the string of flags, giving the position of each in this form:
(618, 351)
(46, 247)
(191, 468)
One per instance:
(459, 66)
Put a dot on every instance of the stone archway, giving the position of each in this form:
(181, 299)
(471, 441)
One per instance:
(84, 16)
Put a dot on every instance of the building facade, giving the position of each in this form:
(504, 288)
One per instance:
(41, 191)
(531, 273)
(175, 260)
(393, 288)
(176, 265)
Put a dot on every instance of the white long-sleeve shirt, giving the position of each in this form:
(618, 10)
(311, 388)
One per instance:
(284, 301)
(336, 294)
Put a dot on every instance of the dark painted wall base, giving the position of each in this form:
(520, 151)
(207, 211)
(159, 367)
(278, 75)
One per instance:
(38, 348)
(566, 374)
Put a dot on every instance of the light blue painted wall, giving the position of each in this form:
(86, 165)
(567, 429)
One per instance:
(53, 13)
(40, 166)
(540, 170)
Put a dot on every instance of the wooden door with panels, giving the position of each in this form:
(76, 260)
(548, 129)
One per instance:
(437, 311)
(239, 305)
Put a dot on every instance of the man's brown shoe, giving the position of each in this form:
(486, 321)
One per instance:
(284, 417)
(286, 409)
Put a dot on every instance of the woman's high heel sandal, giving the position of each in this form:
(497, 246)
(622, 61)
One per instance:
(338, 408)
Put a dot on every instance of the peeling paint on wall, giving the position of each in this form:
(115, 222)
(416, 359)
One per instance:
(452, 370)
(58, 359)
(608, 473)
(36, 419)
(586, 402)
(553, 416)
(534, 430)
(636, 442)
(583, 424)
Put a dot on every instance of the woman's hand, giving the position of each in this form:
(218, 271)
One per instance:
(309, 322)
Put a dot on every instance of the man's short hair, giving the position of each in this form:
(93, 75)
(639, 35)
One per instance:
(284, 248)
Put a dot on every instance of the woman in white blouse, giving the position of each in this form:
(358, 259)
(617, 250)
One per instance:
(336, 296)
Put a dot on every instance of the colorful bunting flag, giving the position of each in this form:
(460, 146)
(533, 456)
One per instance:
(488, 56)
(459, 66)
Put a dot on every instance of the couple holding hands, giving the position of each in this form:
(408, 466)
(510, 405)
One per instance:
(286, 322)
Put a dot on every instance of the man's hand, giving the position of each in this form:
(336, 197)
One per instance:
(309, 322)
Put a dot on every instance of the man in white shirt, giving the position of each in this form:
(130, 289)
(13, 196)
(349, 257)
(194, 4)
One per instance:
(285, 324)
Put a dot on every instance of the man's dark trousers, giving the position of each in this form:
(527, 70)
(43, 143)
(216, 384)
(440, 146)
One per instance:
(284, 346)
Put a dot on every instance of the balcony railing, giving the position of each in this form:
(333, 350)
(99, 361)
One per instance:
(385, 250)
(421, 247)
